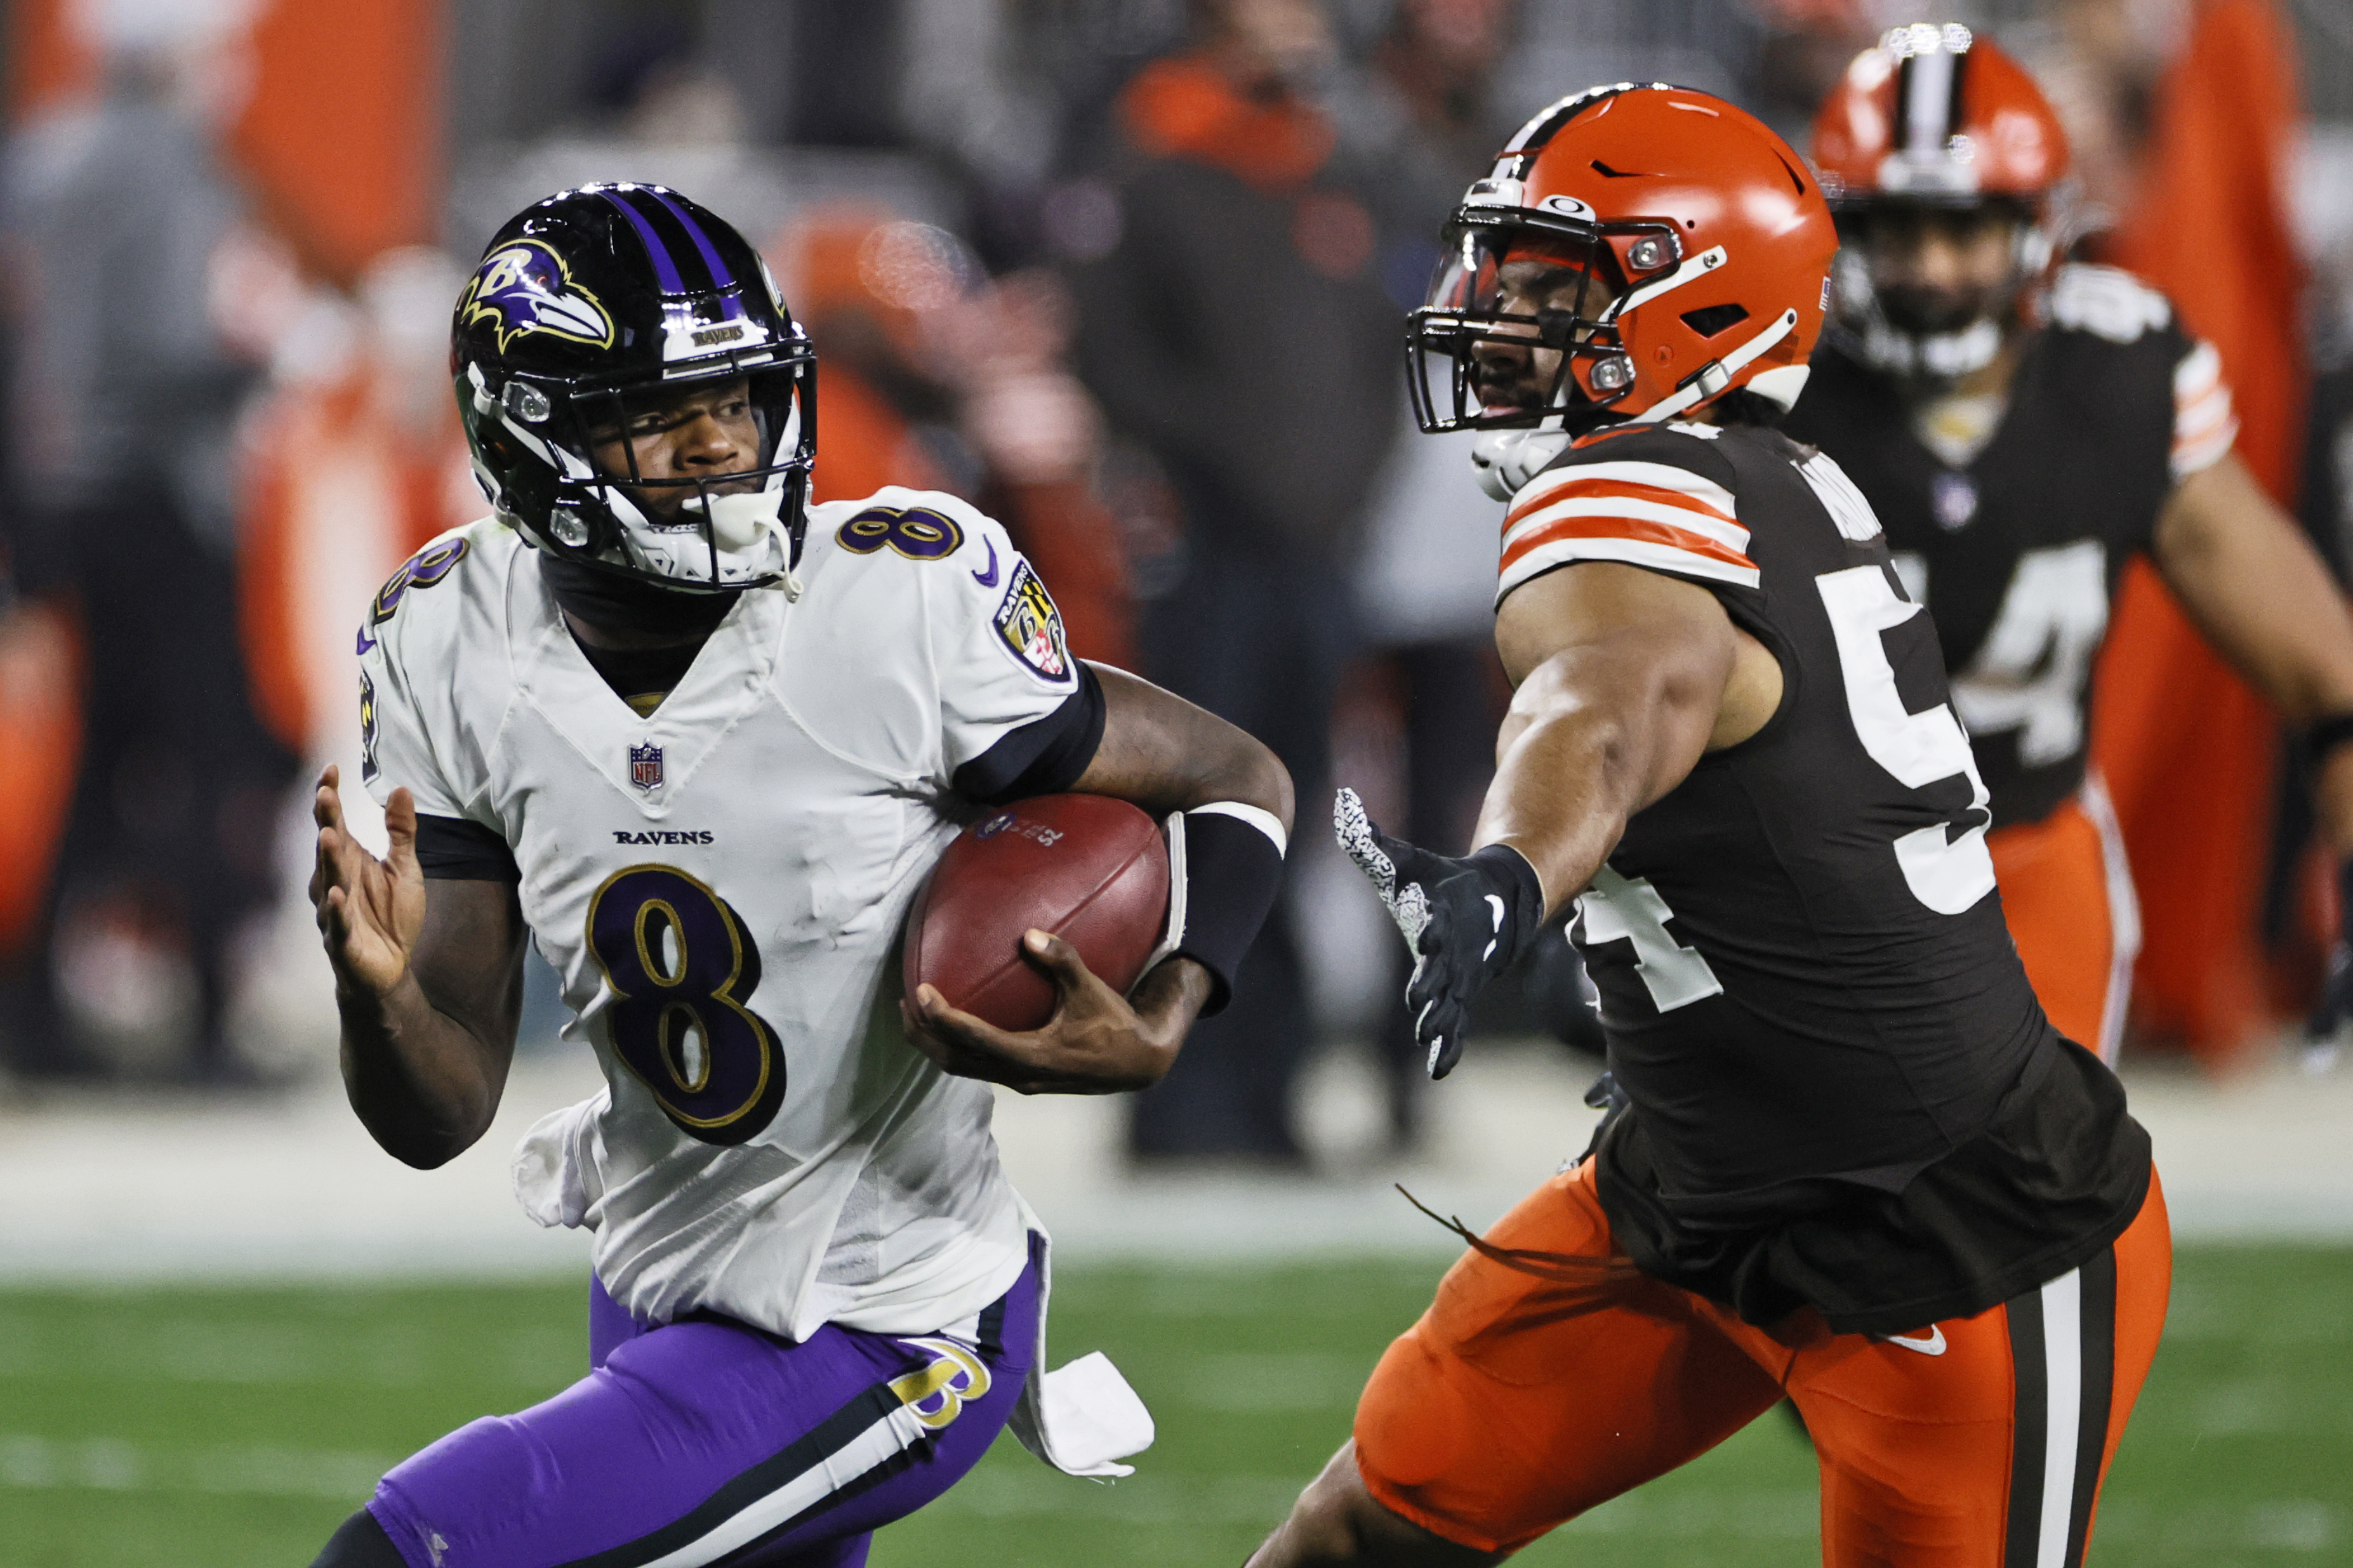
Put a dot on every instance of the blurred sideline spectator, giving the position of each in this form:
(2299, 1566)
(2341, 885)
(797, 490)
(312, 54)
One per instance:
(1425, 581)
(129, 380)
(2328, 444)
(1804, 47)
(934, 376)
(1233, 324)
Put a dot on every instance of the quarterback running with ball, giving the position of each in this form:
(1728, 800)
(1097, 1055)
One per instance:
(701, 742)
(1857, 1166)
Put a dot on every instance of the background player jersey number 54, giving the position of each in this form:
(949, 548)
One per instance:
(1946, 864)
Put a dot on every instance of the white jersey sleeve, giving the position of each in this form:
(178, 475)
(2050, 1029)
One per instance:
(1629, 500)
(411, 673)
(2205, 425)
(931, 575)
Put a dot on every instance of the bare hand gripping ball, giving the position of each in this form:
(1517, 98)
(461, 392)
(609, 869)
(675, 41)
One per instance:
(1089, 869)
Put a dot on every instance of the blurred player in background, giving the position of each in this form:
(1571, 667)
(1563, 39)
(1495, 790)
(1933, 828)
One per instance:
(2022, 432)
(1237, 331)
(701, 743)
(1857, 1166)
(130, 395)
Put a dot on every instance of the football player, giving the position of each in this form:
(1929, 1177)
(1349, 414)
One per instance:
(2022, 431)
(1857, 1166)
(700, 743)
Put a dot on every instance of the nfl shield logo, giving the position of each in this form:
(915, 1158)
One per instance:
(645, 766)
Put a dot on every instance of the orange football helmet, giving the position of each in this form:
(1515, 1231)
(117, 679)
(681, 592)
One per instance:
(1689, 249)
(1936, 117)
(1937, 114)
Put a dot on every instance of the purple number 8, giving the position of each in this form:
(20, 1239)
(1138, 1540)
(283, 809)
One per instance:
(680, 967)
(917, 532)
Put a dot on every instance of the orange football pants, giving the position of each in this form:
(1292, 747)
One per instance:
(1517, 1402)
(2068, 897)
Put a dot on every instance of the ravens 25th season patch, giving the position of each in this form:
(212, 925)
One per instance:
(1031, 625)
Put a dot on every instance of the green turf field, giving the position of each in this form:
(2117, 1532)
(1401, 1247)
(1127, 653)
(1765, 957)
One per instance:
(211, 1427)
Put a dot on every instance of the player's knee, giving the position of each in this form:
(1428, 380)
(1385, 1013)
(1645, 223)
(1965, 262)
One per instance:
(360, 1543)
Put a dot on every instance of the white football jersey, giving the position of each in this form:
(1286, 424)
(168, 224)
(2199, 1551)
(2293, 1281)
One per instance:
(722, 885)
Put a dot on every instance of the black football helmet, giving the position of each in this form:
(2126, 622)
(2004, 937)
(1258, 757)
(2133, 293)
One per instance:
(586, 308)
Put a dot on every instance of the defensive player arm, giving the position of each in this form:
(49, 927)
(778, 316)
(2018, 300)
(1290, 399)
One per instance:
(2260, 593)
(1165, 756)
(1622, 680)
(429, 984)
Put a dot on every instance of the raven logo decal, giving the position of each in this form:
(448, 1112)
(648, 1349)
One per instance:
(525, 288)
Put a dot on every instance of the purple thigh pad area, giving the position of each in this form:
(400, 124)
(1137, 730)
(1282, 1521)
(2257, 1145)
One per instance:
(706, 1442)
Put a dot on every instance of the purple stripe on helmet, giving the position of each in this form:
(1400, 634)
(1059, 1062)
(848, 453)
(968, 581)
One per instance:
(665, 266)
(721, 277)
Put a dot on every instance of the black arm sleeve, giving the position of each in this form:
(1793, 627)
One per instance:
(459, 850)
(1233, 873)
(1045, 756)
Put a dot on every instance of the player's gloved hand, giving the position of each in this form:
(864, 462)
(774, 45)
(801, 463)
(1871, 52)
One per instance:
(1464, 920)
(2336, 1004)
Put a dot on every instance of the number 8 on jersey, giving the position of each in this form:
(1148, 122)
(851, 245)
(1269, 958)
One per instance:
(679, 966)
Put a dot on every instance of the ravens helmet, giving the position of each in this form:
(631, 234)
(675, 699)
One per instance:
(593, 309)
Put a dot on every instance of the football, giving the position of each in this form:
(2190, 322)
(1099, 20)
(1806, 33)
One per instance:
(1091, 869)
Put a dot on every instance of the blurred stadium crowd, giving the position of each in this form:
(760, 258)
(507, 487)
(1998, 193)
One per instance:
(1129, 274)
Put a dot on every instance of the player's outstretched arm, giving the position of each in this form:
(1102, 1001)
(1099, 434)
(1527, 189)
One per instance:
(1166, 755)
(2262, 596)
(1622, 680)
(428, 983)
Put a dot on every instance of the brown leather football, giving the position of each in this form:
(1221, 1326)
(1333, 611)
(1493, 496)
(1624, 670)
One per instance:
(1091, 869)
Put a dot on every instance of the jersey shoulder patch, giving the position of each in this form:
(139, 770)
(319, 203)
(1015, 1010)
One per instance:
(1028, 624)
(2107, 303)
(962, 549)
(1652, 497)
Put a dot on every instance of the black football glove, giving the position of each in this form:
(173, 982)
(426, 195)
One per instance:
(2336, 1004)
(1464, 920)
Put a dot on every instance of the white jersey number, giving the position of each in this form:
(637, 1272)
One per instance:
(1619, 908)
(1947, 873)
(2029, 676)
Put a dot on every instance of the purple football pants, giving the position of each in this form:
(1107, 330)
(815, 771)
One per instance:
(705, 1442)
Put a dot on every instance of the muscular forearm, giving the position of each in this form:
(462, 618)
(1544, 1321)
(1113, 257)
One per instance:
(423, 1085)
(1563, 790)
(1165, 755)
(2259, 591)
(1625, 678)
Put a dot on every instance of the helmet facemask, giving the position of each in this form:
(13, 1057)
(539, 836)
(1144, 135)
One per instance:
(708, 533)
(1931, 338)
(1519, 332)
